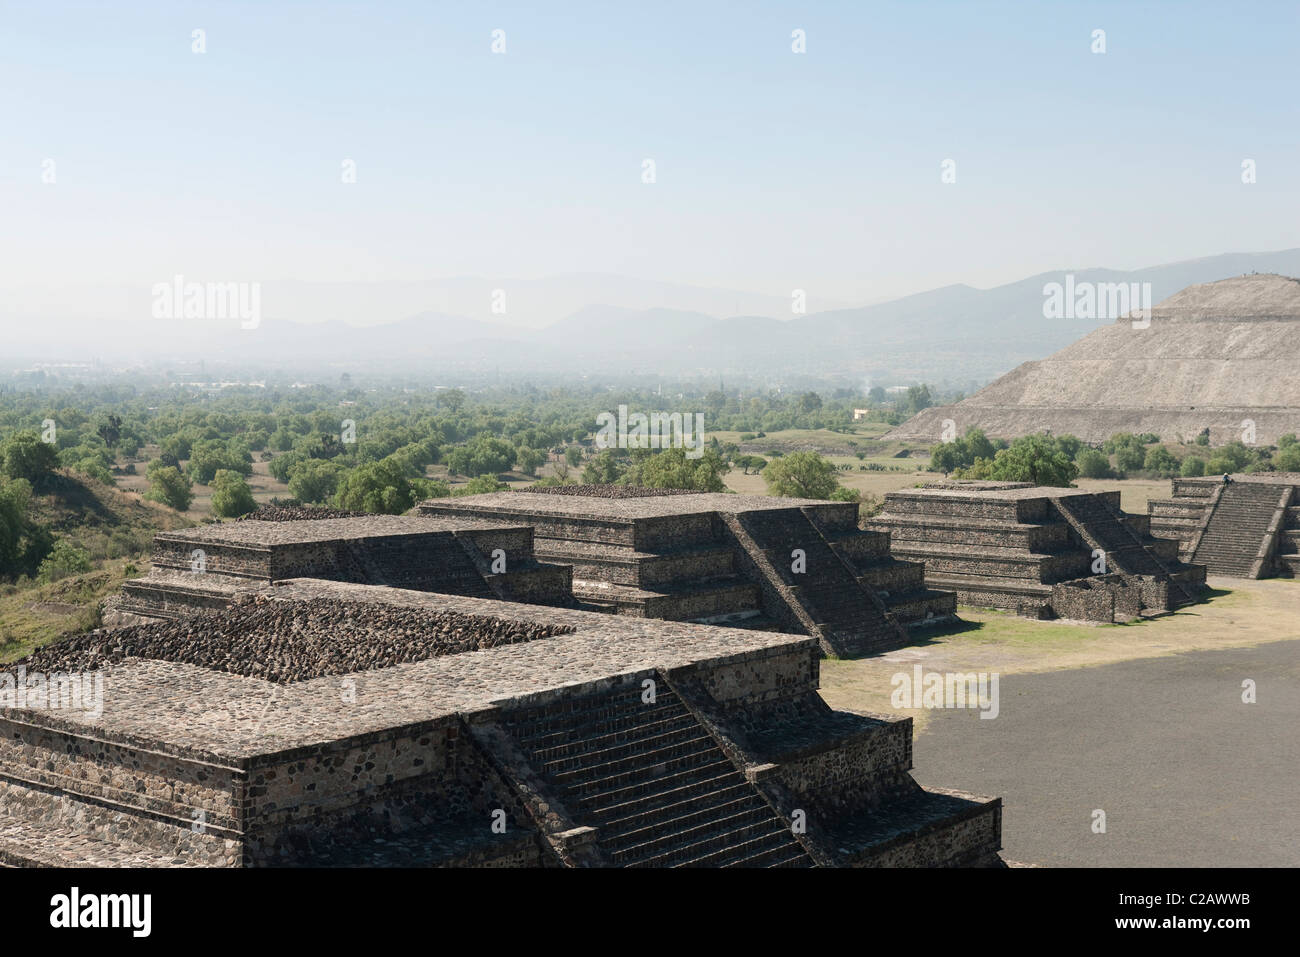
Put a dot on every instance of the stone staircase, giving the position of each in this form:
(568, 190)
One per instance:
(704, 564)
(1182, 517)
(1242, 531)
(1008, 547)
(696, 581)
(900, 585)
(1288, 545)
(652, 781)
(1102, 526)
(1000, 554)
(846, 616)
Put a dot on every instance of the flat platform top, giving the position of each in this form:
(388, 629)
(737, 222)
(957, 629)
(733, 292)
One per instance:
(625, 509)
(1261, 478)
(1016, 494)
(326, 529)
(217, 716)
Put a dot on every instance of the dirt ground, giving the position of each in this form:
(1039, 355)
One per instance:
(1238, 613)
(1134, 493)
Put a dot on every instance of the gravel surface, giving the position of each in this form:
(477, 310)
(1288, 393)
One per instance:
(296, 513)
(286, 641)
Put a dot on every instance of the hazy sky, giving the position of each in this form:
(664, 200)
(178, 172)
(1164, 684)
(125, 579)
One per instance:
(775, 170)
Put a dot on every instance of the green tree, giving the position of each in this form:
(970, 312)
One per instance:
(167, 484)
(231, 496)
(918, 398)
(603, 469)
(282, 466)
(1093, 464)
(480, 485)
(1160, 461)
(64, 559)
(210, 456)
(1034, 458)
(314, 480)
(1129, 451)
(95, 469)
(178, 445)
(380, 487)
(25, 456)
(529, 460)
(573, 455)
(809, 402)
(483, 455)
(110, 430)
(422, 488)
(1288, 458)
(962, 452)
(672, 468)
(1192, 467)
(1233, 457)
(281, 440)
(801, 475)
(22, 543)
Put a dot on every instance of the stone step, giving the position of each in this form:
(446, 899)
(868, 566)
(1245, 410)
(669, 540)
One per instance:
(644, 836)
(857, 545)
(45, 844)
(1238, 528)
(935, 827)
(621, 815)
(623, 565)
(994, 563)
(637, 757)
(909, 527)
(678, 603)
(716, 824)
(922, 606)
(973, 507)
(779, 856)
(669, 721)
(623, 792)
(890, 575)
(635, 774)
(658, 789)
(728, 790)
(545, 730)
(726, 849)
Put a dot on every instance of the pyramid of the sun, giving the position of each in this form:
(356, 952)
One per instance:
(1219, 355)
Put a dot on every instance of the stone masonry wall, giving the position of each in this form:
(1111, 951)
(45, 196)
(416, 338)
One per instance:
(155, 799)
(860, 771)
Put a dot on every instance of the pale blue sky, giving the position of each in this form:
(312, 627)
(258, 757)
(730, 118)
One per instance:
(775, 170)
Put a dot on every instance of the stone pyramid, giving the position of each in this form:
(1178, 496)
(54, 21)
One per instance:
(1218, 355)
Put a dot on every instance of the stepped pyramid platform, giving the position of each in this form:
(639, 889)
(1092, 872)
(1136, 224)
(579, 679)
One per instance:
(796, 565)
(1212, 356)
(206, 568)
(1246, 528)
(1034, 550)
(569, 739)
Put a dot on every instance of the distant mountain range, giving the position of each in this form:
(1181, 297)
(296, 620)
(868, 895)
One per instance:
(955, 335)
